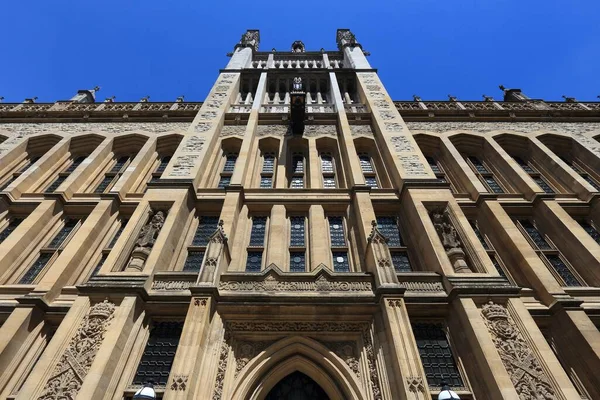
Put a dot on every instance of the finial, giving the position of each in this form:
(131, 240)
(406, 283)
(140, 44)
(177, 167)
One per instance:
(30, 101)
(180, 99)
(374, 223)
(110, 99)
(487, 98)
(416, 98)
(569, 99)
(1, 99)
(144, 99)
(96, 88)
(221, 223)
(451, 98)
(273, 49)
(322, 50)
(502, 87)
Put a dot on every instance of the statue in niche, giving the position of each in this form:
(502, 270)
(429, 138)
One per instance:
(146, 240)
(450, 240)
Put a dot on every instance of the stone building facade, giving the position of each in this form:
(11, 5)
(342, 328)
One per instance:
(393, 245)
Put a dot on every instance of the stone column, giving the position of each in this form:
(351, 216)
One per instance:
(277, 242)
(134, 171)
(185, 375)
(312, 169)
(319, 238)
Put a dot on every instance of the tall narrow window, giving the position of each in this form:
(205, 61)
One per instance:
(328, 171)
(388, 225)
(436, 355)
(24, 166)
(207, 225)
(268, 170)
(12, 225)
(297, 171)
(485, 176)
(257, 244)
(56, 245)
(366, 165)
(106, 251)
(489, 249)
(339, 248)
(157, 359)
(164, 161)
(549, 254)
(113, 175)
(580, 169)
(228, 168)
(297, 244)
(534, 174)
(62, 176)
(590, 229)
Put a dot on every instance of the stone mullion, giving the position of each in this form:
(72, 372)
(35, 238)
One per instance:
(102, 369)
(487, 371)
(277, 241)
(235, 221)
(183, 378)
(516, 252)
(135, 170)
(464, 172)
(544, 354)
(243, 164)
(312, 167)
(44, 367)
(364, 215)
(408, 373)
(320, 251)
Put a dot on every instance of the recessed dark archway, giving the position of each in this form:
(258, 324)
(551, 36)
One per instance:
(297, 386)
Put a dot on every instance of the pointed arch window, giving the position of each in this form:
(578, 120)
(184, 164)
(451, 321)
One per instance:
(62, 176)
(297, 171)
(228, 168)
(366, 166)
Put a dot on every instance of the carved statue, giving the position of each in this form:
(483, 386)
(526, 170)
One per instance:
(298, 47)
(145, 241)
(345, 38)
(450, 240)
(251, 38)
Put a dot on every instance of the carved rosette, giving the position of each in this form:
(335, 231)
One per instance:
(526, 373)
(67, 378)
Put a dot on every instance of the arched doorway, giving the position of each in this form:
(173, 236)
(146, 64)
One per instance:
(297, 386)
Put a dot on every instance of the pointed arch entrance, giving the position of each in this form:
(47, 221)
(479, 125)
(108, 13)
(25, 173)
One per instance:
(297, 386)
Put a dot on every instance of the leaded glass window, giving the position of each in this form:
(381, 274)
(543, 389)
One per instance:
(257, 235)
(62, 235)
(224, 182)
(485, 175)
(207, 225)
(121, 162)
(106, 251)
(54, 185)
(582, 172)
(400, 261)
(29, 163)
(336, 232)
(157, 359)
(193, 261)
(436, 355)
(389, 227)
(434, 166)
(164, 162)
(590, 230)
(365, 163)
(340, 261)
(297, 244)
(297, 231)
(75, 164)
(297, 182)
(266, 182)
(479, 235)
(534, 174)
(12, 225)
(479, 167)
(562, 270)
(526, 167)
(493, 185)
(329, 182)
(326, 163)
(489, 250)
(122, 223)
(230, 162)
(297, 261)
(268, 163)
(35, 268)
(328, 171)
(104, 184)
(298, 164)
(254, 261)
(371, 182)
(99, 265)
(535, 235)
(543, 184)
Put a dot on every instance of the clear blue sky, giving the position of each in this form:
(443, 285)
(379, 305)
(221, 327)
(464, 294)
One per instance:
(427, 47)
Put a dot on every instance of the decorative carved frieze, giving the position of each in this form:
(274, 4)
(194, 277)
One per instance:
(179, 383)
(393, 127)
(171, 285)
(245, 351)
(320, 130)
(202, 127)
(294, 326)
(112, 127)
(271, 130)
(145, 241)
(373, 373)
(361, 130)
(422, 286)
(273, 284)
(67, 378)
(221, 369)
(233, 130)
(450, 239)
(525, 371)
(183, 165)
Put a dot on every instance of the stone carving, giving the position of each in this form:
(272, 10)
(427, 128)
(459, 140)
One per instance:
(219, 96)
(450, 240)
(193, 144)
(320, 130)
(179, 382)
(373, 88)
(222, 367)
(200, 301)
(364, 130)
(233, 130)
(371, 81)
(393, 127)
(221, 88)
(382, 104)
(526, 127)
(394, 303)
(145, 241)
(387, 115)
(246, 351)
(250, 39)
(295, 326)
(373, 374)
(224, 82)
(213, 103)
(412, 164)
(67, 378)
(422, 286)
(345, 38)
(208, 115)
(171, 285)
(347, 352)
(272, 284)
(202, 127)
(401, 144)
(377, 95)
(415, 384)
(271, 130)
(527, 375)
(112, 127)
(184, 164)
(228, 76)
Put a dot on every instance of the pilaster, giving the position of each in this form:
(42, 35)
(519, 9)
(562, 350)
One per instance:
(318, 234)
(134, 171)
(278, 238)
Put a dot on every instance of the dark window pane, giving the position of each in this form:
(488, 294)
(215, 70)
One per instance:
(365, 163)
(498, 266)
(371, 182)
(562, 270)
(8, 182)
(297, 182)
(436, 355)
(12, 225)
(524, 165)
(298, 165)
(122, 224)
(224, 181)
(297, 231)
(591, 181)
(230, 163)
(433, 164)
(340, 261)
(99, 265)
(389, 227)
(535, 235)
(401, 261)
(66, 230)
(156, 361)
(254, 261)
(479, 167)
(163, 164)
(193, 262)
(297, 261)
(35, 269)
(266, 182)
(329, 182)
(119, 165)
(543, 184)
(29, 163)
(268, 163)
(326, 163)
(257, 235)
(54, 185)
(479, 235)
(206, 227)
(588, 228)
(104, 184)
(493, 185)
(336, 232)
(75, 164)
